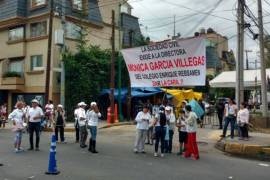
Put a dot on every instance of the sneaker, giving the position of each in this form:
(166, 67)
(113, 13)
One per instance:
(21, 149)
(37, 149)
(30, 149)
(155, 154)
(162, 155)
(16, 150)
(135, 150)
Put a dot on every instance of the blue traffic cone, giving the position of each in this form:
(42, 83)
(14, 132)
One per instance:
(52, 168)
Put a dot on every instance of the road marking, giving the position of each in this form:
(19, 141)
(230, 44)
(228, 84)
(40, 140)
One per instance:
(264, 165)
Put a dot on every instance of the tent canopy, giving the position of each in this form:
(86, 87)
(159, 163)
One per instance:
(180, 95)
(227, 79)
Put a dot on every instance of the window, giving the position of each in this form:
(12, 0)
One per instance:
(35, 3)
(73, 30)
(77, 4)
(36, 62)
(16, 34)
(38, 29)
(16, 66)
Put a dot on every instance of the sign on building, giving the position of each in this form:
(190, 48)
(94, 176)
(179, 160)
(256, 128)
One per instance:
(171, 63)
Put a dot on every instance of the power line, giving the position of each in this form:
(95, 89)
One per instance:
(205, 17)
(185, 7)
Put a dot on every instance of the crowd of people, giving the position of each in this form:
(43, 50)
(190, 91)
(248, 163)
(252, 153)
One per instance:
(31, 119)
(154, 126)
(237, 118)
(158, 129)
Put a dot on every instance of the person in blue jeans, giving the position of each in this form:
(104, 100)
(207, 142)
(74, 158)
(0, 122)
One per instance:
(230, 112)
(160, 131)
(92, 117)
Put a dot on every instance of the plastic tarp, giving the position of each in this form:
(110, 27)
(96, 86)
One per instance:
(196, 108)
(135, 92)
(180, 95)
(227, 79)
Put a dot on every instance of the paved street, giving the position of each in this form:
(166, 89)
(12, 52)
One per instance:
(116, 161)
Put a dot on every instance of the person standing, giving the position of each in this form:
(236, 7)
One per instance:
(60, 123)
(49, 109)
(202, 105)
(142, 119)
(81, 115)
(160, 130)
(18, 119)
(230, 112)
(76, 124)
(3, 115)
(181, 124)
(150, 132)
(220, 112)
(170, 117)
(242, 121)
(191, 127)
(34, 116)
(92, 117)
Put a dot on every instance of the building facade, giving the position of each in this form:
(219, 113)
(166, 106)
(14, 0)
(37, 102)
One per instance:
(219, 57)
(24, 31)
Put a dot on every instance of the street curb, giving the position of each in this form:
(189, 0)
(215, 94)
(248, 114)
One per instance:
(72, 129)
(244, 150)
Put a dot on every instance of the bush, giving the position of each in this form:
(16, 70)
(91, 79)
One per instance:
(12, 74)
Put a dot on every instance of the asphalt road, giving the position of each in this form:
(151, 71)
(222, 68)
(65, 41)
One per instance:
(116, 161)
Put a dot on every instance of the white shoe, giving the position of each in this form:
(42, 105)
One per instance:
(155, 154)
(135, 150)
(16, 150)
(162, 155)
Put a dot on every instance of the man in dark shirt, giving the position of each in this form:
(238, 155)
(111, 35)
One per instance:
(220, 112)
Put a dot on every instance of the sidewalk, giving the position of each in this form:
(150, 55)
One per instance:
(258, 146)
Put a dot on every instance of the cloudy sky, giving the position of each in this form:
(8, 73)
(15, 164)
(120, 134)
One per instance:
(156, 19)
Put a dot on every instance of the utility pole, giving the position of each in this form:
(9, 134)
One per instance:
(129, 98)
(239, 90)
(63, 21)
(112, 67)
(263, 65)
(247, 61)
(119, 99)
(49, 52)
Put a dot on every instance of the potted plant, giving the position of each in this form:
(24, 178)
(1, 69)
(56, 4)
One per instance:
(12, 78)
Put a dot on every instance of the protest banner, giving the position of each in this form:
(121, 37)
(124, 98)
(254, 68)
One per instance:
(167, 64)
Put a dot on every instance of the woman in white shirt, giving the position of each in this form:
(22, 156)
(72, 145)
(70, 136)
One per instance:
(92, 117)
(230, 112)
(17, 117)
(171, 120)
(34, 116)
(242, 121)
(142, 120)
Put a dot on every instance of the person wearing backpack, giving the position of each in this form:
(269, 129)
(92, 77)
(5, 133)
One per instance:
(160, 131)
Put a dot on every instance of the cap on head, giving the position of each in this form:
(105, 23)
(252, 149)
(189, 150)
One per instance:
(35, 101)
(93, 104)
(60, 106)
(82, 104)
(168, 108)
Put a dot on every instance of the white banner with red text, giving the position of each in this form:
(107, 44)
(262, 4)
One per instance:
(167, 64)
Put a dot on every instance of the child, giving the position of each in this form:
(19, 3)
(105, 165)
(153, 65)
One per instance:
(17, 117)
(182, 132)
